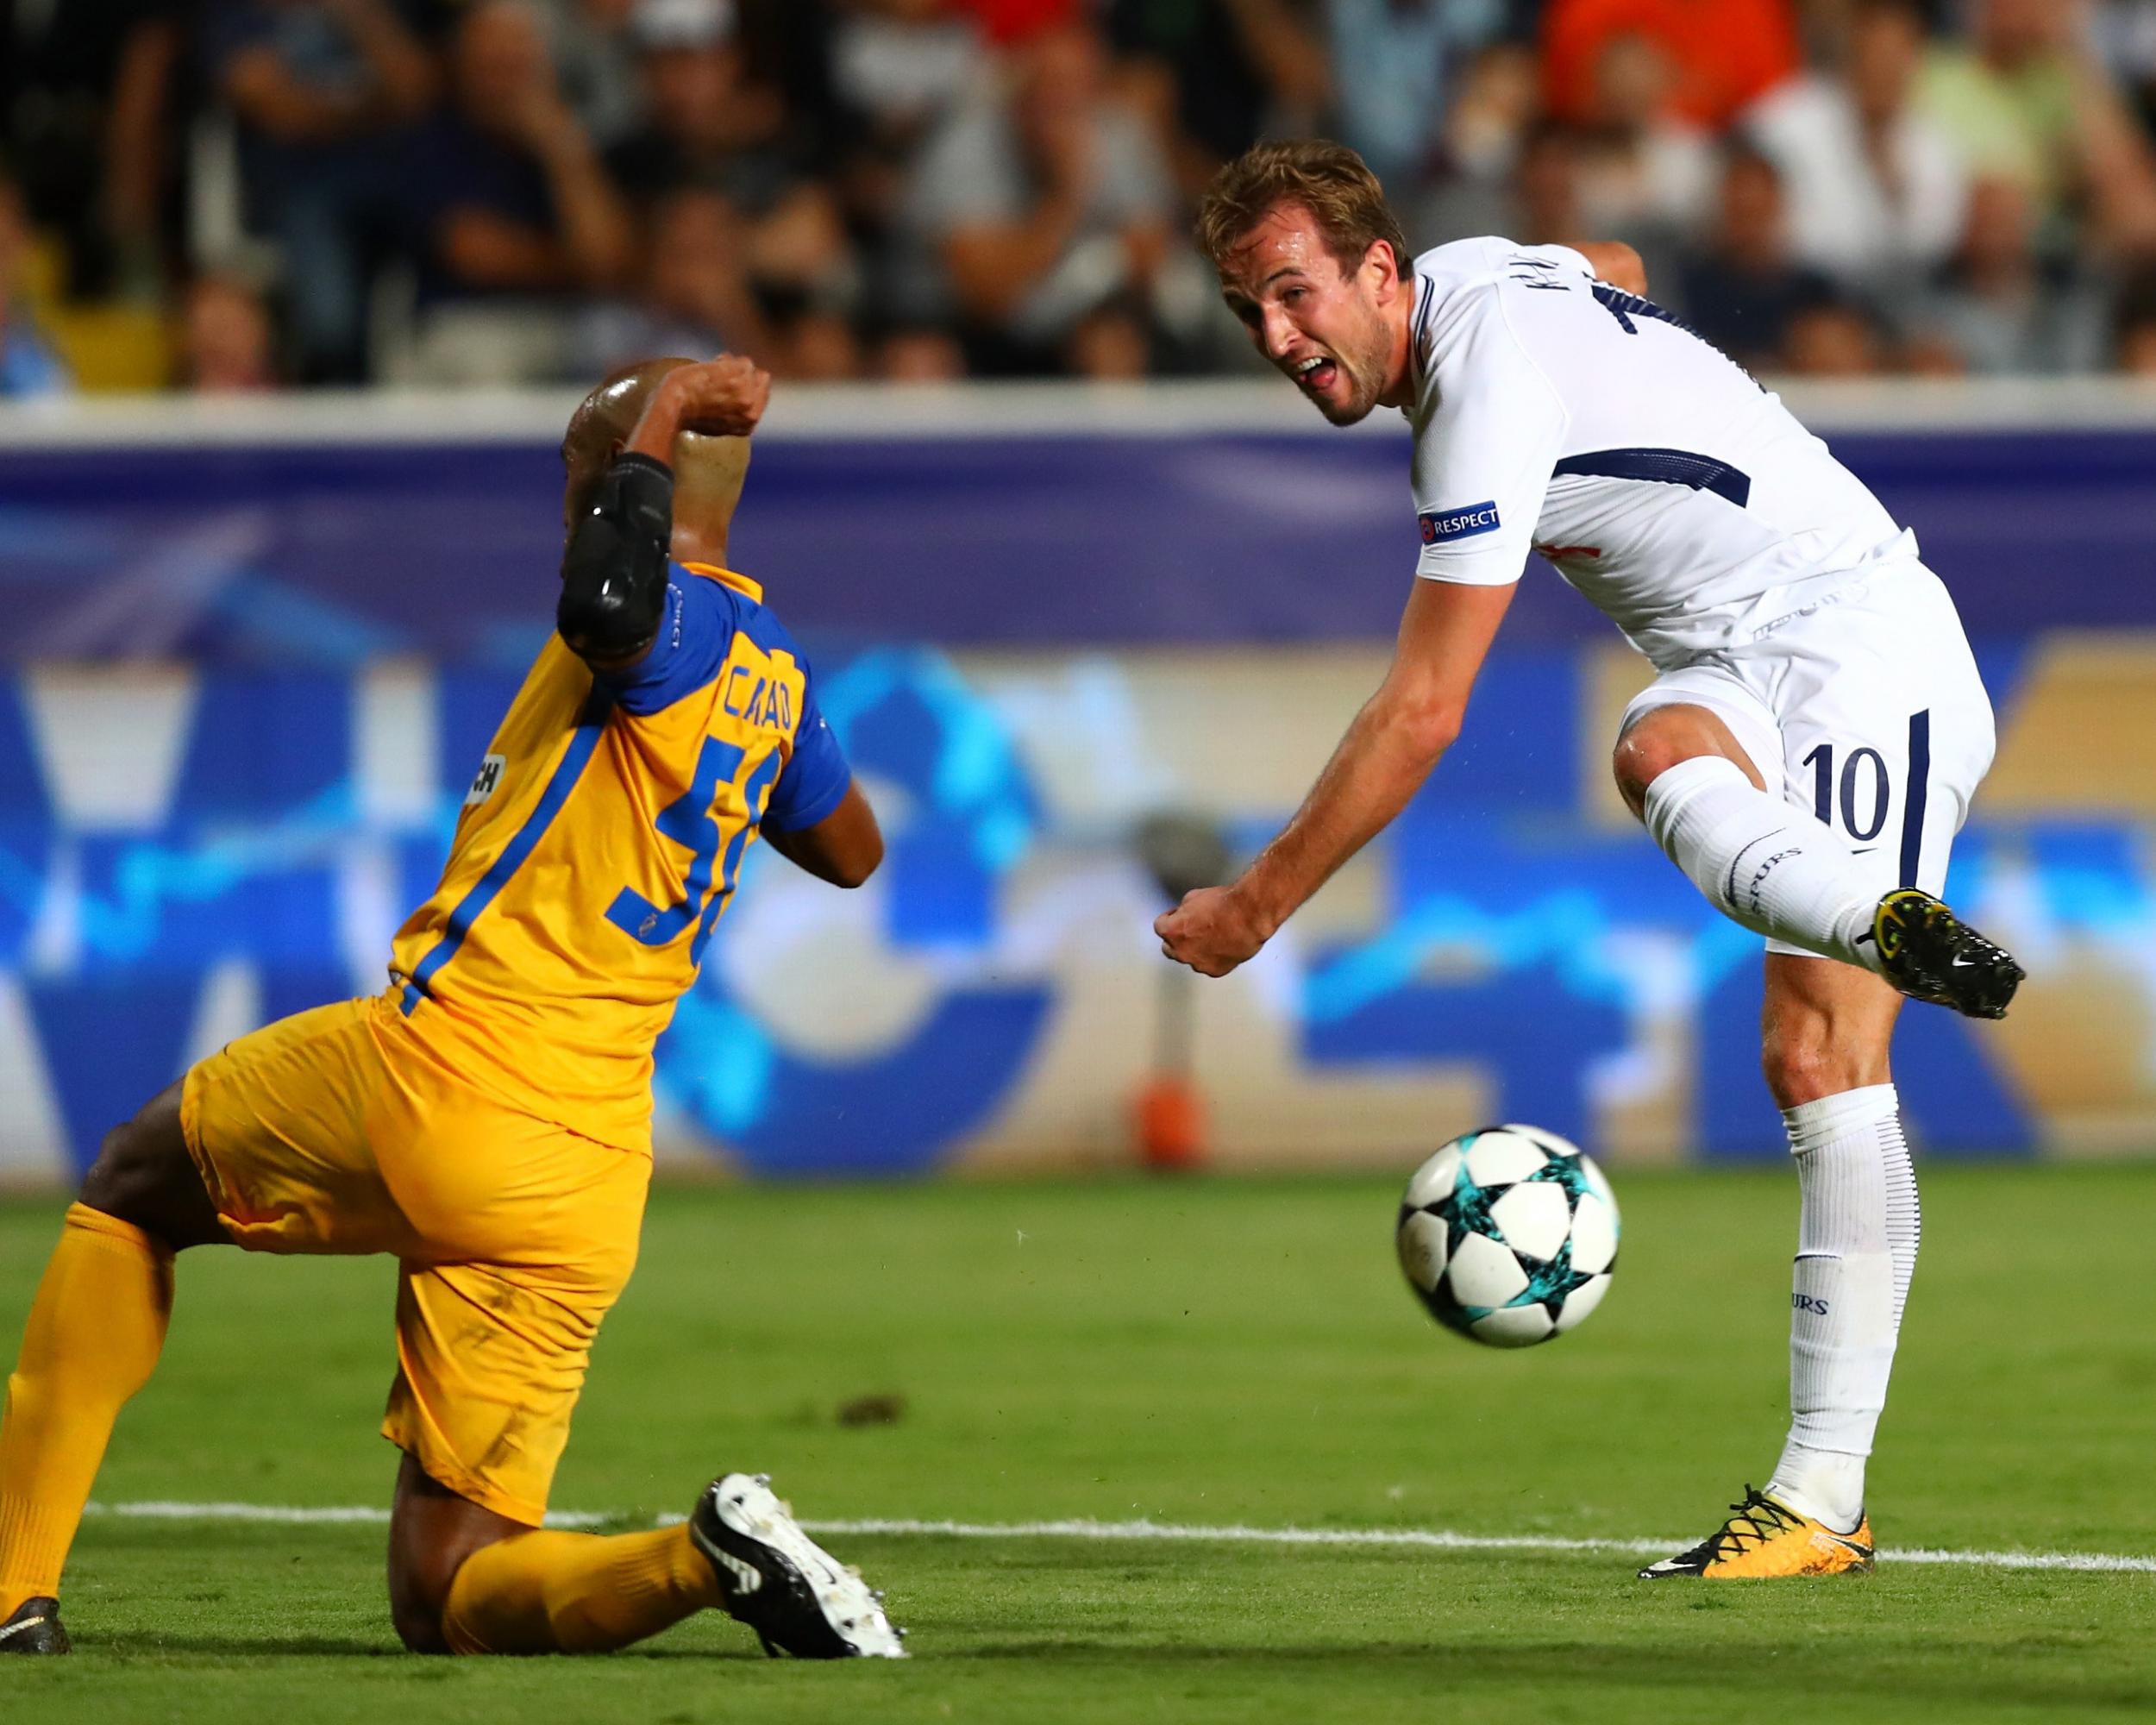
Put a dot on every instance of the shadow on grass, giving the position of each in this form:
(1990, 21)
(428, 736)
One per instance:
(1964, 1675)
(234, 1646)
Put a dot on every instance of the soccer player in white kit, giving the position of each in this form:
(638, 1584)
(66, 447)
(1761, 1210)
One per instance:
(1806, 756)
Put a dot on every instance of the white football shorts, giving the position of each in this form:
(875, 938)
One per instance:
(1866, 710)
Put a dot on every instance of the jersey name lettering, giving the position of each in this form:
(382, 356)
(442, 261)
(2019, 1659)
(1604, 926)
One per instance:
(486, 781)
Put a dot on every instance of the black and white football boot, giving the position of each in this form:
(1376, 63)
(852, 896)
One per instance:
(1930, 954)
(35, 1628)
(796, 1595)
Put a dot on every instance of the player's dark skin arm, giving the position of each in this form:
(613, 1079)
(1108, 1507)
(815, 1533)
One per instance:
(844, 848)
(1399, 735)
(614, 569)
(723, 398)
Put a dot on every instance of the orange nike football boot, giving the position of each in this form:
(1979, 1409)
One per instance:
(1765, 1538)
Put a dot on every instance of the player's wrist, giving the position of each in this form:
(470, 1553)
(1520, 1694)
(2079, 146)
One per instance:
(1261, 900)
(653, 437)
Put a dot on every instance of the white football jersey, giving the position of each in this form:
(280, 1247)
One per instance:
(1558, 414)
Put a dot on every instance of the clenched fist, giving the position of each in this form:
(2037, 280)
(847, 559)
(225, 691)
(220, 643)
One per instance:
(1213, 930)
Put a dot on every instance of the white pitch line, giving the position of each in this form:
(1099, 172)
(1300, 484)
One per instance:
(1434, 1538)
(1423, 1539)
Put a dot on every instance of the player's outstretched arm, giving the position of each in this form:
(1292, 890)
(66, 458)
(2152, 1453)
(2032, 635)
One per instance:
(1387, 752)
(844, 848)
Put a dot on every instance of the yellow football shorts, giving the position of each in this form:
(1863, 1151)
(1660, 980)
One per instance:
(516, 1236)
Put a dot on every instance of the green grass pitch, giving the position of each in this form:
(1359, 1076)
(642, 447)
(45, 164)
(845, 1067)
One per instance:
(1206, 1353)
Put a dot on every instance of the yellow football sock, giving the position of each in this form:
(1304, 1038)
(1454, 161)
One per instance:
(545, 1592)
(96, 1329)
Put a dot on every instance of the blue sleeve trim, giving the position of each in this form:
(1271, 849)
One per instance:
(815, 780)
(695, 635)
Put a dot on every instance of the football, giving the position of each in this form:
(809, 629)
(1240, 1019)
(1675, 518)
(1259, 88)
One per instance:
(1509, 1235)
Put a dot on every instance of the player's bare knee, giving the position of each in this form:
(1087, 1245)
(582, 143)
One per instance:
(1642, 755)
(1804, 1064)
(132, 1168)
(144, 1176)
(419, 1584)
(418, 1629)
(433, 1533)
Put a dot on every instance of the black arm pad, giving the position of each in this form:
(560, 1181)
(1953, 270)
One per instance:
(614, 572)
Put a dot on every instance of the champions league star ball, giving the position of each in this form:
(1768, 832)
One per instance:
(1509, 1235)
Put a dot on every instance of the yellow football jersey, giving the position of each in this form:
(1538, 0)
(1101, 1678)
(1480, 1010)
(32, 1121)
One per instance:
(600, 842)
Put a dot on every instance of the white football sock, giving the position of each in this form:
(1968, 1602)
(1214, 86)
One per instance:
(1857, 1242)
(1763, 861)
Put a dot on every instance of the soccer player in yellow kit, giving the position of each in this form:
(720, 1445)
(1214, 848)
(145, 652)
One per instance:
(487, 1118)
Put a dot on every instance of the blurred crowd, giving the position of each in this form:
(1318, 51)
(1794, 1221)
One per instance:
(230, 195)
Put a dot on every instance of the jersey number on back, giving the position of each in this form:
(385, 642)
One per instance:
(691, 822)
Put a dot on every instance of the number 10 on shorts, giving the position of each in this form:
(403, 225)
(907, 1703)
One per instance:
(1862, 792)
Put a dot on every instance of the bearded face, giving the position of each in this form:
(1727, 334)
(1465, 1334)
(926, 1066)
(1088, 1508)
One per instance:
(1331, 331)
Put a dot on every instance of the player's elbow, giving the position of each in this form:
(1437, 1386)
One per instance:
(1426, 727)
(862, 860)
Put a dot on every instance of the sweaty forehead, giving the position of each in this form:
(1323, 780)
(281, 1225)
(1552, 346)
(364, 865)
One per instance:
(1285, 239)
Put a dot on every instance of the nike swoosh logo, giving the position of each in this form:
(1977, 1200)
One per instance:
(16, 1629)
(1865, 851)
(748, 1575)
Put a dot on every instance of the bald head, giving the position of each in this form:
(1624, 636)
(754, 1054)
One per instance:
(708, 472)
(602, 423)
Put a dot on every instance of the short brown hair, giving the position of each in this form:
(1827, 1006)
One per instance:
(1328, 179)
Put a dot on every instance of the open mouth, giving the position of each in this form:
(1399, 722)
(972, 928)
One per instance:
(1317, 373)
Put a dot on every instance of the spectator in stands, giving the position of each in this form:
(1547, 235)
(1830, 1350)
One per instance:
(1039, 206)
(594, 57)
(27, 364)
(1395, 63)
(1214, 75)
(898, 68)
(1010, 22)
(704, 122)
(1744, 290)
(899, 65)
(225, 341)
(2002, 310)
(1727, 52)
(2125, 36)
(1546, 206)
(319, 88)
(91, 143)
(509, 195)
(2134, 329)
(1486, 132)
(711, 126)
(1646, 177)
(1876, 190)
(1839, 339)
(695, 297)
(2025, 102)
(919, 354)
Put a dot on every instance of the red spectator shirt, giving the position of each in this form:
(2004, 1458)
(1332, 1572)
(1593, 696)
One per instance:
(1725, 52)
